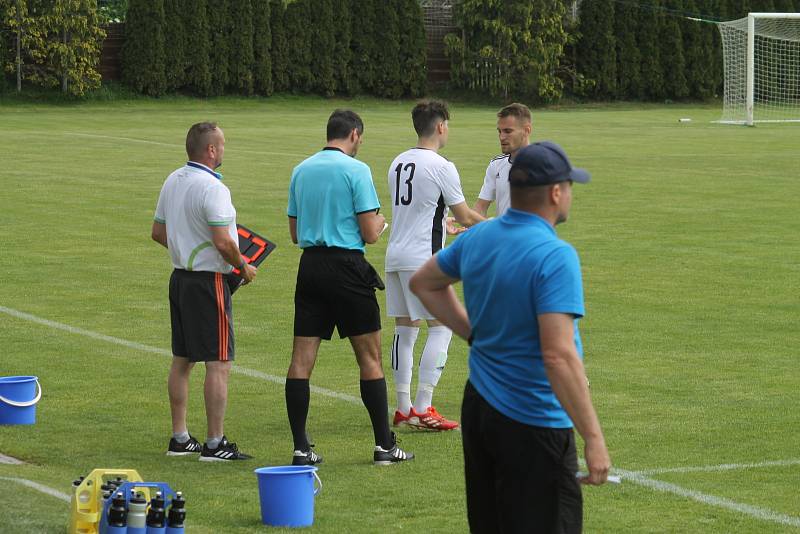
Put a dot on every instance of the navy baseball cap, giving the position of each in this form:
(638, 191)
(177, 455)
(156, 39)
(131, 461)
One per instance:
(544, 163)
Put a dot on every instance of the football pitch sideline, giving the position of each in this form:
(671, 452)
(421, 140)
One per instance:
(688, 242)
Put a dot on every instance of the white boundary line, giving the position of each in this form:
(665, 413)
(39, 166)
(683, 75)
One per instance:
(39, 487)
(764, 514)
(636, 477)
(156, 350)
(175, 145)
(9, 460)
(721, 467)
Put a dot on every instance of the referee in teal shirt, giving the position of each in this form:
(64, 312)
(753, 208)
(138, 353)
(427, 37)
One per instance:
(333, 211)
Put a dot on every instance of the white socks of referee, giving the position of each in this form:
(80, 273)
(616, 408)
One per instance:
(434, 356)
(402, 364)
(431, 365)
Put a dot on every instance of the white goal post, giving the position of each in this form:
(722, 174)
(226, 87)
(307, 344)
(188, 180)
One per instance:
(761, 54)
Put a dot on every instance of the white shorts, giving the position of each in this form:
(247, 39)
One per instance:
(400, 301)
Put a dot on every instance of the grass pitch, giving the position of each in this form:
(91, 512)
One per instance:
(688, 240)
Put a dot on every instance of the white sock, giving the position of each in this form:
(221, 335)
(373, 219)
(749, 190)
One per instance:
(403, 363)
(181, 437)
(434, 357)
(213, 443)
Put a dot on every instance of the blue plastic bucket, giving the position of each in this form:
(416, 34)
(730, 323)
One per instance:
(18, 398)
(287, 495)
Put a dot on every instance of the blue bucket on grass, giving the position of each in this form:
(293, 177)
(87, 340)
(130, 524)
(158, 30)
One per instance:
(18, 398)
(287, 495)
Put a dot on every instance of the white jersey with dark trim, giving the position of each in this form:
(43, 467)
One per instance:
(422, 185)
(495, 184)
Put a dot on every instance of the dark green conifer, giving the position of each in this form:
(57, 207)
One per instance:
(262, 48)
(143, 49)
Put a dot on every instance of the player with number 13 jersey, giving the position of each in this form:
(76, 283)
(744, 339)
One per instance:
(423, 185)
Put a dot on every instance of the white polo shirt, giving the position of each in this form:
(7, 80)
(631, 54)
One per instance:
(495, 184)
(422, 185)
(192, 199)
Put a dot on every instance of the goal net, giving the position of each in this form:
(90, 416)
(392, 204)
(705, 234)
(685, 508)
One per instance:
(761, 54)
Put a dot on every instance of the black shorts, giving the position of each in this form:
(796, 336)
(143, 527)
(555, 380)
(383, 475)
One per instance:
(336, 287)
(202, 320)
(519, 478)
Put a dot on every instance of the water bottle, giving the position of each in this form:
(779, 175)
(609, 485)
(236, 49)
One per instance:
(156, 517)
(177, 515)
(117, 516)
(137, 514)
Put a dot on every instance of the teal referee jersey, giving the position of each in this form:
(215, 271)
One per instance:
(327, 193)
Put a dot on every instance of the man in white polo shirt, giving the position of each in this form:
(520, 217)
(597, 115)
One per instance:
(196, 221)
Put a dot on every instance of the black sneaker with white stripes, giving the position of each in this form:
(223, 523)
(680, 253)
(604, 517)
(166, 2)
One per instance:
(392, 455)
(182, 449)
(308, 457)
(225, 452)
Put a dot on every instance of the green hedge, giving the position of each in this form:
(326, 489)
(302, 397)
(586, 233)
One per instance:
(323, 47)
(656, 51)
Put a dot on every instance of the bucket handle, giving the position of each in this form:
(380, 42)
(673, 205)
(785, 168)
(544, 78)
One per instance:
(317, 490)
(34, 401)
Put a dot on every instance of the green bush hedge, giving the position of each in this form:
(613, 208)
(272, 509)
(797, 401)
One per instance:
(323, 47)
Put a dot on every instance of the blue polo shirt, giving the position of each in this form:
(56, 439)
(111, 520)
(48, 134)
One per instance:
(514, 268)
(326, 194)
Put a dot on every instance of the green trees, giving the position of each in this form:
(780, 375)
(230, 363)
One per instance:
(240, 46)
(324, 47)
(219, 49)
(413, 48)
(650, 49)
(629, 58)
(342, 53)
(262, 48)
(699, 55)
(198, 47)
(363, 18)
(5, 51)
(384, 38)
(300, 50)
(598, 47)
(673, 64)
(143, 57)
(509, 48)
(57, 43)
(175, 38)
(280, 46)
(662, 50)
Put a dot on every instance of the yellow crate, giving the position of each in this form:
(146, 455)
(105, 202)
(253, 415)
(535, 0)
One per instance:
(86, 506)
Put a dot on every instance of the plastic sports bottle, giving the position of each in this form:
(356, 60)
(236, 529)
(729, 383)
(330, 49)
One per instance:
(117, 516)
(156, 517)
(177, 515)
(137, 514)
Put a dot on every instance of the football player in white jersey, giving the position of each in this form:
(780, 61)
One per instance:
(514, 130)
(423, 184)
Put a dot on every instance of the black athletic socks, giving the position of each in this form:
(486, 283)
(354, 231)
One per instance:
(373, 394)
(298, 394)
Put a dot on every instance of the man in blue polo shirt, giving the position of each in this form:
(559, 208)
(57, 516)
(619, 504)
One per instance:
(333, 210)
(527, 386)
